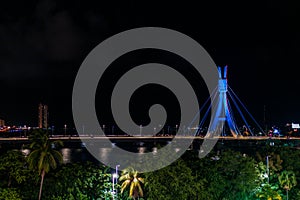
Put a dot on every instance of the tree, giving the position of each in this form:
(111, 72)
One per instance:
(275, 161)
(82, 181)
(207, 181)
(268, 192)
(239, 172)
(43, 156)
(175, 181)
(12, 168)
(131, 178)
(287, 180)
(10, 194)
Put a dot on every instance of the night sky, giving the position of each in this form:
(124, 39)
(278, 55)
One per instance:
(43, 43)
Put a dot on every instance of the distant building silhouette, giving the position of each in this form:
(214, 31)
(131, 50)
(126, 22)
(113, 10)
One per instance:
(2, 122)
(43, 116)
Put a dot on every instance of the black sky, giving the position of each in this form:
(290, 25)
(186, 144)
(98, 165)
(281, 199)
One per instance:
(42, 45)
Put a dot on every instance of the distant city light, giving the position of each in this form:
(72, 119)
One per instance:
(295, 125)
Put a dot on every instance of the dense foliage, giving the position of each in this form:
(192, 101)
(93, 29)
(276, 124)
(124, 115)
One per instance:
(224, 174)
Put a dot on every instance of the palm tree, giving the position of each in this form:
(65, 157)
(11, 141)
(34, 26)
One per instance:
(43, 157)
(131, 178)
(287, 180)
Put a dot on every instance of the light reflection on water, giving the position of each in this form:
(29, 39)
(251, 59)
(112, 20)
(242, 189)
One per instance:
(154, 150)
(66, 154)
(104, 154)
(141, 150)
(73, 155)
(25, 152)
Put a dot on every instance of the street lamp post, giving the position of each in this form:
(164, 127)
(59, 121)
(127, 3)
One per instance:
(113, 130)
(113, 187)
(141, 128)
(114, 181)
(65, 128)
(268, 170)
(161, 129)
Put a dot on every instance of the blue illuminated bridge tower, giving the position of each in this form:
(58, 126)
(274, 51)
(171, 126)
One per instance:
(222, 114)
(223, 117)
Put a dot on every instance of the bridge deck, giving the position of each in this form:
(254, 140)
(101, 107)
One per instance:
(153, 138)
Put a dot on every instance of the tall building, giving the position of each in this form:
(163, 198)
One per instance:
(2, 122)
(43, 116)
